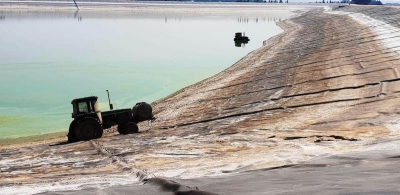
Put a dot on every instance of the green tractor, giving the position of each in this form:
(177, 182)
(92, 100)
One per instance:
(89, 121)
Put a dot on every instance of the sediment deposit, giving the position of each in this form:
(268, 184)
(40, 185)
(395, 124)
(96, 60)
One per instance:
(327, 85)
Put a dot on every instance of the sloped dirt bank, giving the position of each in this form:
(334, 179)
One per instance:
(326, 86)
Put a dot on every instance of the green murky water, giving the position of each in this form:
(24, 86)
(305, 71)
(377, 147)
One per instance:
(48, 59)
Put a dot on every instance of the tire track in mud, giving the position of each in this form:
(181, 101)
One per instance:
(119, 161)
(165, 185)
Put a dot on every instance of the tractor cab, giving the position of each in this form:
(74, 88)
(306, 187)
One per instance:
(87, 106)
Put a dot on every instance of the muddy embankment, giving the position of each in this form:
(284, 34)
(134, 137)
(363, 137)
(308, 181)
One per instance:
(328, 85)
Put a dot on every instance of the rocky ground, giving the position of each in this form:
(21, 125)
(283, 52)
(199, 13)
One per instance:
(328, 85)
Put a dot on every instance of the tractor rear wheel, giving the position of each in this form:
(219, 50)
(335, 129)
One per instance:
(88, 128)
(121, 129)
(71, 132)
(132, 128)
(100, 133)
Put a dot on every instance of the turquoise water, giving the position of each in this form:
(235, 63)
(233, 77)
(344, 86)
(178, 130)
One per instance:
(48, 59)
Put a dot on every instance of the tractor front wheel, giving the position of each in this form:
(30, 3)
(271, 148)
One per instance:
(121, 129)
(88, 128)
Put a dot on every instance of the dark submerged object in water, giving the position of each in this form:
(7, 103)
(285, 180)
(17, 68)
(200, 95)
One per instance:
(240, 37)
(240, 40)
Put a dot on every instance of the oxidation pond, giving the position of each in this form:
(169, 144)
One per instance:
(49, 58)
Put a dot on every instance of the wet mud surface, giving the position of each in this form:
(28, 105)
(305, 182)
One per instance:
(368, 172)
(328, 85)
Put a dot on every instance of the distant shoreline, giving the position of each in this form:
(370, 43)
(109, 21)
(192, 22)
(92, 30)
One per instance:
(154, 6)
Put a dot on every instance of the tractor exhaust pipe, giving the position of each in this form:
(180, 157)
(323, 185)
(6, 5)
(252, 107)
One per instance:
(109, 102)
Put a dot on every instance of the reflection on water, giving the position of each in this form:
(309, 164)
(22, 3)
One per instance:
(241, 43)
(256, 20)
(49, 58)
(174, 19)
